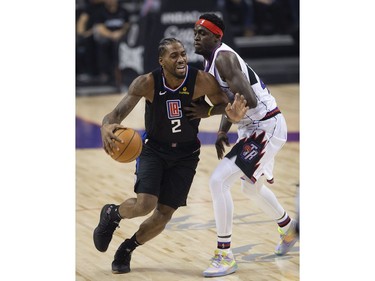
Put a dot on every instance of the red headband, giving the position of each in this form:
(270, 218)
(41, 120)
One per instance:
(210, 26)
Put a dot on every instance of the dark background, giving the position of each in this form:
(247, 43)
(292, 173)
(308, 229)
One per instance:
(272, 50)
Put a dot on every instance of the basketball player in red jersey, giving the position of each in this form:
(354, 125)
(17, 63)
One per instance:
(170, 155)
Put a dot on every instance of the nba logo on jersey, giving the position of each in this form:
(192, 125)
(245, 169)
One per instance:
(174, 109)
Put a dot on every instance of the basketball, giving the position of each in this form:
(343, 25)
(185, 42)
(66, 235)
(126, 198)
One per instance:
(130, 149)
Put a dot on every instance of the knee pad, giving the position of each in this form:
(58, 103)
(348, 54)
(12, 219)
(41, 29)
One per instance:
(224, 175)
(249, 188)
(215, 181)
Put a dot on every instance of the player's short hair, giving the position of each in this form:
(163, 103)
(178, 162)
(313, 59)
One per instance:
(167, 41)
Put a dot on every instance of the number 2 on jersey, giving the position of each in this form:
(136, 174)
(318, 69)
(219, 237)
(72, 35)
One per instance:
(176, 125)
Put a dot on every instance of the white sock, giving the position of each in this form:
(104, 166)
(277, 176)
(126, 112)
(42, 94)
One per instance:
(284, 222)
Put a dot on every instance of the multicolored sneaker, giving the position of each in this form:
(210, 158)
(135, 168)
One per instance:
(222, 263)
(104, 231)
(288, 239)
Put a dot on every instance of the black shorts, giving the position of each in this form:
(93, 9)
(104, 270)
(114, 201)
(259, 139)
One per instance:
(167, 172)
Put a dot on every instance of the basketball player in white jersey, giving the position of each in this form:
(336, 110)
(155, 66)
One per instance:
(261, 134)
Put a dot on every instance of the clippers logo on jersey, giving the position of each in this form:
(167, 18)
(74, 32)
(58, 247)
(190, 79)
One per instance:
(174, 109)
(184, 91)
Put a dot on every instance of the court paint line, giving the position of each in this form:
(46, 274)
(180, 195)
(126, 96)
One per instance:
(88, 135)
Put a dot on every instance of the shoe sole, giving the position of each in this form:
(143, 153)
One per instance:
(120, 272)
(102, 213)
(231, 271)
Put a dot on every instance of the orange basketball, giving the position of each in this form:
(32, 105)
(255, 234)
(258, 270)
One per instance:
(130, 149)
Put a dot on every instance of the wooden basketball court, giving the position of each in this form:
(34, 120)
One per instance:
(183, 250)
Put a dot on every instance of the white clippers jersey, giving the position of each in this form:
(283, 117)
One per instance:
(266, 102)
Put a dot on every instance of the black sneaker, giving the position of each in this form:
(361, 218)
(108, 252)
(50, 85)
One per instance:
(121, 263)
(104, 231)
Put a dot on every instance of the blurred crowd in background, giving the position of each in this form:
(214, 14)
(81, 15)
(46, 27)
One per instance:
(101, 26)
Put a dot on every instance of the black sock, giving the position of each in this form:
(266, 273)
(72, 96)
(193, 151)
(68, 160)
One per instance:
(129, 245)
(133, 243)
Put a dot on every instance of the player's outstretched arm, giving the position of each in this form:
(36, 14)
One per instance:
(206, 85)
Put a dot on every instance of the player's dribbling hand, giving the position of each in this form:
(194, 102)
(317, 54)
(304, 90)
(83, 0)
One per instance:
(237, 110)
(109, 138)
(222, 139)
